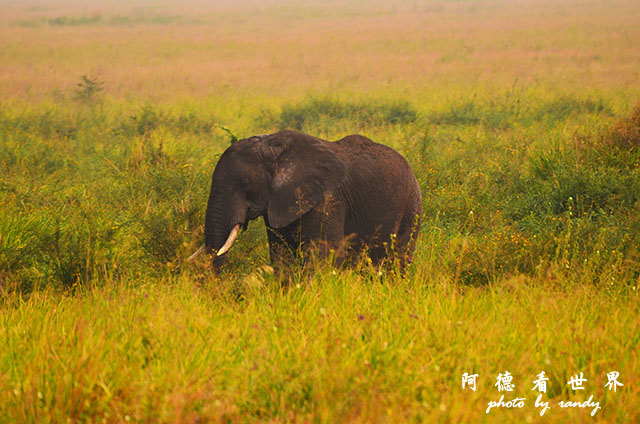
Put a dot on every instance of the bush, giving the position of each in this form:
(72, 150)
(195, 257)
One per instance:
(625, 134)
(88, 88)
(150, 118)
(504, 113)
(315, 110)
(472, 113)
(560, 109)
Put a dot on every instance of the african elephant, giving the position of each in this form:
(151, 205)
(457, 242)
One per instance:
(350, 196)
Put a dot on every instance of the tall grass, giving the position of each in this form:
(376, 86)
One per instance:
(339, 348)
(90, 193)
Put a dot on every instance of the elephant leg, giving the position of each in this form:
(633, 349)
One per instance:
(322, 234)
(283, 245)
(314, 236)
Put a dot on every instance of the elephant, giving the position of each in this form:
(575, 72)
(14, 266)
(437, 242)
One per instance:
(341, 199)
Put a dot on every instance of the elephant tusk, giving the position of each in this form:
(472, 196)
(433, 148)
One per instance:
(227, 244)
(197, 253)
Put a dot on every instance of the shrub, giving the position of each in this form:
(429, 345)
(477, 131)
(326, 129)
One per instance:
(314, 110)
(467, 113)
(625, 133)
(561, 108)
(88, 88)
(501, 113)
(74, 20)
(191, 123)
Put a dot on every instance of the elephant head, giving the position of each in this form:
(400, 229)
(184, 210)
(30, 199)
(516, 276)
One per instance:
(279, 176)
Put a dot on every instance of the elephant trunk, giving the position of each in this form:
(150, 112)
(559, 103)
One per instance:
(226, 212)
(225, 247)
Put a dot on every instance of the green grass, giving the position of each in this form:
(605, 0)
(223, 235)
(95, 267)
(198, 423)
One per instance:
(92, 192)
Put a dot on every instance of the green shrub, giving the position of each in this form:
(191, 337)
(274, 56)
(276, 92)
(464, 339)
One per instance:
(504, 113)
(88, 88)
(74, 20)
(561, 108)
(467, 113)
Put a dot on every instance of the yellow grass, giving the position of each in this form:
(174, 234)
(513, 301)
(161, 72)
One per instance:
(285, 48)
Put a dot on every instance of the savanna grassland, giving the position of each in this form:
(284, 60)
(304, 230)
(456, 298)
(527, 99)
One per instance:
(521, 120)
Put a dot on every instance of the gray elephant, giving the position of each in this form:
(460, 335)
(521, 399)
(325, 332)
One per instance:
(349, 196)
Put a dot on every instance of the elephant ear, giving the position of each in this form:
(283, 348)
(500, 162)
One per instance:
(305, 172)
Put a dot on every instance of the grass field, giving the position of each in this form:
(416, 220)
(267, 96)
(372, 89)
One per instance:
(521, 120)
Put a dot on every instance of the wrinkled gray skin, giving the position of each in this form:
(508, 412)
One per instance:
(341, 195)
